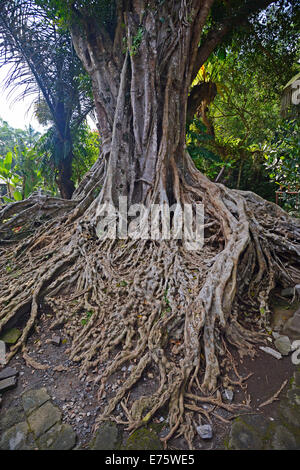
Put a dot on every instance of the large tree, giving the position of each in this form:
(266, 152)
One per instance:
(142, 57)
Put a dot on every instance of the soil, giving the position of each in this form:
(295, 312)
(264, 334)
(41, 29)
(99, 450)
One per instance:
(78, 401)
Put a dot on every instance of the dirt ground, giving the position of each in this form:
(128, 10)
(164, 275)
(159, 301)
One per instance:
(77, 397)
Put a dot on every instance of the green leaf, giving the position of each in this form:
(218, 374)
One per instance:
(8, 161)
(18, 196)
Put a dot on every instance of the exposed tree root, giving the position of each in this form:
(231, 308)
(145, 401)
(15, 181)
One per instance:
(139, 298)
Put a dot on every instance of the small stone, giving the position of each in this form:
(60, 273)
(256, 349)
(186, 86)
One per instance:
(205, 431)
(8, 372)
(7, 384)
(228, 394)
(283, 345)
(56, 340)
(2, 352)
(271, 351)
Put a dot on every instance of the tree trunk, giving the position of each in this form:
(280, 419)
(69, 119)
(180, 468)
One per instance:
(65, 184)
(143, 293)
(141, 96)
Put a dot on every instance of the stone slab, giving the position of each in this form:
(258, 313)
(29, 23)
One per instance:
(32, 399)
(11, 336)
(106, 437)
(59, 437)
(10, 417)
(43, 418)
(16, 438)
(8, 372)
(7, 384)
(2, 353)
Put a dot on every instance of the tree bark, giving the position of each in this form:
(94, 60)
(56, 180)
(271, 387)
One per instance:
(65, 184)
(140, 92)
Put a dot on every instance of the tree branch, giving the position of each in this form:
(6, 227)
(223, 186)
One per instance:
(215, 36)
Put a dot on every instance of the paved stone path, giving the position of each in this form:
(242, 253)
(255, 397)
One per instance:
(35, 424)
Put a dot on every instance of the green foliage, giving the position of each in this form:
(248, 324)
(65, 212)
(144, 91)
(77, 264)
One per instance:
(66, 12)
(87, 317)
(136, 41)
(283, 155)
(19, 169)
(53, 70)
(198, 141)
(86, 145)
(245, 115)
(85, 151)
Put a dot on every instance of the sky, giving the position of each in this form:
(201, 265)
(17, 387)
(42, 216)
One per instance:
(20, 114)
(17, 114)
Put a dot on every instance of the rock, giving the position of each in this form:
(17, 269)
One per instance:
(296, 379)
(205, 431)
(10, 417)
(56, 340)
(107, 437)
(7, 384)
(43, 418)
(16, 438)
(292, 326)
(228, 394)
(11, 336)
(288, 292)
(257, 423)
(244, 437)
(32, 399)
(2, 353)
(59, 437)
(290, 413)
(296, 357)
(283, 439)
(293, 396)
(8, 372)
(143, 439)
(283, 344)
(271, 351)
(275, 334)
